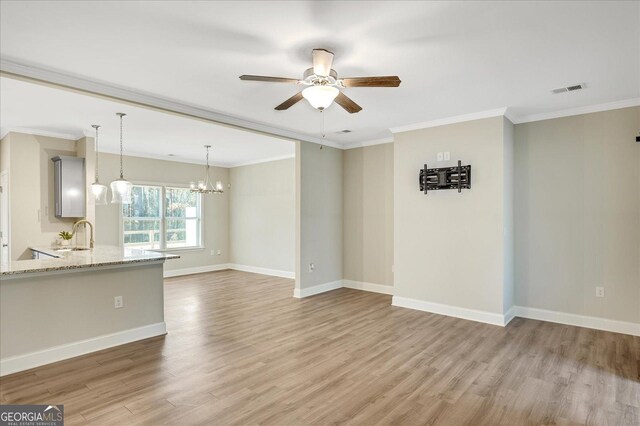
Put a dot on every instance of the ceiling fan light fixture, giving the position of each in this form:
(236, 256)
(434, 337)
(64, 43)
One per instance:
(319, 96)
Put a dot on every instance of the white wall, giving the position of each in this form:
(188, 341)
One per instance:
(215, 220)
(368, 214)
(450, 248)
(262, 215)
(319, 215)
(577, 205)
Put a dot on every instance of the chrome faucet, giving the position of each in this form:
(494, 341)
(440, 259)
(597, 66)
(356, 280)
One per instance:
(80, 222)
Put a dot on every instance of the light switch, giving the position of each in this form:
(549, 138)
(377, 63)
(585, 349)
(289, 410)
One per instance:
(447, 155)
(440, 156)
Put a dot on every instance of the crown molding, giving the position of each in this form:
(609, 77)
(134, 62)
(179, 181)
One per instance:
(626, 103)
(515, 119)
(263, 160)
(13, 68)
(509, 115)
(4, 131)
(225, 165)
(450, 120)
(164, 158)
(368, 143)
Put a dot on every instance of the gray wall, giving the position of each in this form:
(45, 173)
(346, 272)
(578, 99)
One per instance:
(449, 248)
(577, 210)
(508, 238)
(368, 214)
(32, 212)
(262, 215)
(319, 214)
(42, 311)
(215, 221)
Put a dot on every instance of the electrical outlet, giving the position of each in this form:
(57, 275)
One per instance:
(447, 155)
(118, 302)
(599, 291)
(219, 252)
(311, 267)
(440, 156)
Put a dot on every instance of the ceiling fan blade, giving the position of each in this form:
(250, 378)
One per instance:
(386, 81)
(345, 102)
(290, 102)
(269, 79)
(322, 61)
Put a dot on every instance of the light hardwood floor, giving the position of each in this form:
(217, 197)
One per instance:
(241, 350)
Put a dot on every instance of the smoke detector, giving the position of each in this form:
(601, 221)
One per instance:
(573, 88)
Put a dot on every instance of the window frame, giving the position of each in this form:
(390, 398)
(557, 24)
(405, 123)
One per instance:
(163, 218)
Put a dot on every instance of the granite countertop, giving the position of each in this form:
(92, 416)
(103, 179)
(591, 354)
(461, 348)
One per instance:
(81, 259)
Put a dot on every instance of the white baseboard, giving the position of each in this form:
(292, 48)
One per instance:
(596, 323)
(578, 320)
(316, 289)
(452, 311)
(509, 315)
(196, 270)
(70, 350)
(263, 271)
(361, 285)
(224, 266)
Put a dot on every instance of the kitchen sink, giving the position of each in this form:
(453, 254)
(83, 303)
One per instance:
(72, 249)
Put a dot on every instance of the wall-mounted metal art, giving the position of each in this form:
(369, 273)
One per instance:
(445, 178)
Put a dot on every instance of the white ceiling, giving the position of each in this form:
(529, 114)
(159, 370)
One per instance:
(34, 108)
(454, 58)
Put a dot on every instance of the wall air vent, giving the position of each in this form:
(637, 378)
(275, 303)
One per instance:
(569, 88)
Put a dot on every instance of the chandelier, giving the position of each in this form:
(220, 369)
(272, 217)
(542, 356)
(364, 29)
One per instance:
(205, 186)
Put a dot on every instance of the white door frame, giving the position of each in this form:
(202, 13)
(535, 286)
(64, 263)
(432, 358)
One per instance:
(5, 252)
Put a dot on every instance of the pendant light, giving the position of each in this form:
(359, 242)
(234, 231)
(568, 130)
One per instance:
(99, 190)
(121, 188)
(204, 186)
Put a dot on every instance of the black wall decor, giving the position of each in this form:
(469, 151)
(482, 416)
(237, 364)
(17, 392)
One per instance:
(445, 178)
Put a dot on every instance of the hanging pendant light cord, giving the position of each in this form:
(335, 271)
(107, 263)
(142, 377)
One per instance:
(322, 114)
(95, 145)
(121, 172)
(208, 177)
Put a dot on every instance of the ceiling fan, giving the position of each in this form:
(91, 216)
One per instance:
(323, 84)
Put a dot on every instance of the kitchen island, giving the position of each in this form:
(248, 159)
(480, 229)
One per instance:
(79, 301)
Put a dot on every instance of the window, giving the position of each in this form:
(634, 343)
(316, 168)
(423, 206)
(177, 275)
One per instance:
(182, 212)
(162, 218)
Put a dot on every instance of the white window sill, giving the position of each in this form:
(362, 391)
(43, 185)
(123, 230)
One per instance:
(182, 249)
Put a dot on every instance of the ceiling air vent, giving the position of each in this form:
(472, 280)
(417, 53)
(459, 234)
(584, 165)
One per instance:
(569, 88)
